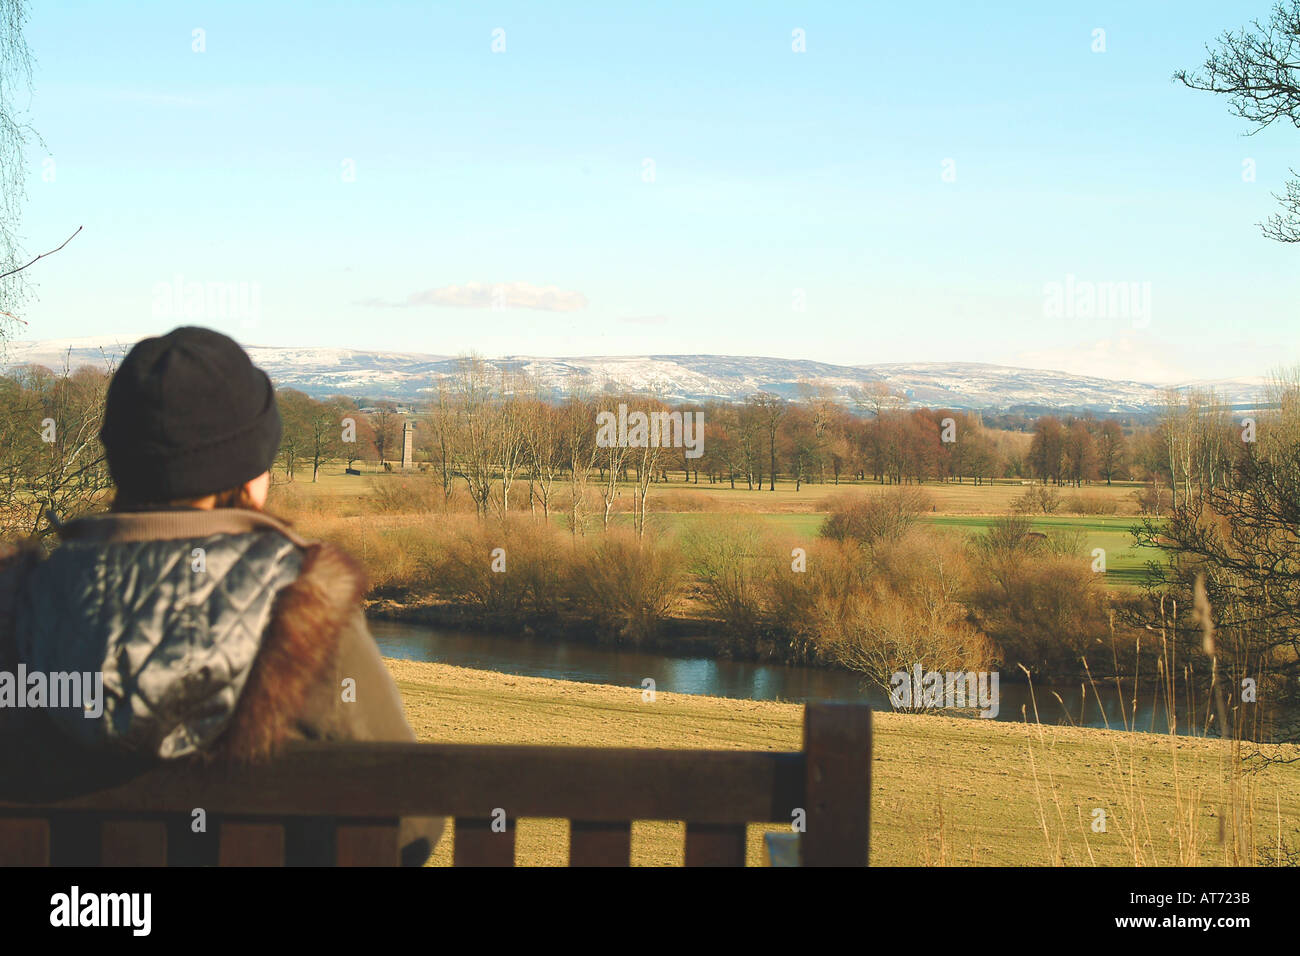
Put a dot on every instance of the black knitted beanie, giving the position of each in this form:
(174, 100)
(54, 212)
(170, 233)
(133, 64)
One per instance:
(188, 415)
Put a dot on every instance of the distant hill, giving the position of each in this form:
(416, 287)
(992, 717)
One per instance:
(675, 378)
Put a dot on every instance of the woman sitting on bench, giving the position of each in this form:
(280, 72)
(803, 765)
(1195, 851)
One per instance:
(218, 633)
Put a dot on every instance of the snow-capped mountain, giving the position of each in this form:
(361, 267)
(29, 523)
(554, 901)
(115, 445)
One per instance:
(674, 378)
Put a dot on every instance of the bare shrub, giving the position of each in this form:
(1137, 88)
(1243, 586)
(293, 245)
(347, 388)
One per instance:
(868, 519)
(911, 613)
(293, 503)
(1043, 608)
(808, 608)
(1091, 505)
(394, 557)
(1153, 500)
(681, 501)
(1038, 499)
(404, 496)
(1065, 542)
(628, 584)
(523, 576)
(732, 559)
(395, 554)
(1006, 535)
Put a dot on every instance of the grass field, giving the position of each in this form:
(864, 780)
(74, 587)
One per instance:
(964, 508)
(945, 790)
(675, 494)
(1125, 562)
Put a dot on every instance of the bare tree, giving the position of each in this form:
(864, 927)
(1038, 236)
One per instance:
(646, 461)
(885, 438)
(579, 424)
(15, 133)
(440, 434)
(362, 435)
(53, 465)
(612, 460)
(770, 409)
(542, 442)
(324, 438)
(1237, 536)
(1111, 449)
(748, 436)
(508, 434)
(819, 399)
(385, 420)
(296, 412)
(475, 423)
(1258, 69)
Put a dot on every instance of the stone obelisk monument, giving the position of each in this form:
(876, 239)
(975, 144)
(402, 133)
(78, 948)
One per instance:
(407, 430)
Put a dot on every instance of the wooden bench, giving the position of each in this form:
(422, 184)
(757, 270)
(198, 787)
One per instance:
(339, 803)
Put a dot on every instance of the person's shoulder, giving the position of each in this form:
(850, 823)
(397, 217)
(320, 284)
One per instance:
(332, 581)
(17, 558)
(314, 617)
(17, 555)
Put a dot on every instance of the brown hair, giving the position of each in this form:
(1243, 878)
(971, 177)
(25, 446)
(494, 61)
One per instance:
(230, 498)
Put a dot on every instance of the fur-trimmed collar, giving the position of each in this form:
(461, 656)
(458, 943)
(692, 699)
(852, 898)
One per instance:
(298, 652)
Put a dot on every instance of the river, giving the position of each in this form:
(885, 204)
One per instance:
(538, 657)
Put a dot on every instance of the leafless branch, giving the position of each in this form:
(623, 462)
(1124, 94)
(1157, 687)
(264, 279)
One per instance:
(6, 275)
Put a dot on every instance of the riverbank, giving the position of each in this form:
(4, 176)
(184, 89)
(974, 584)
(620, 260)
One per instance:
(695, 636)
(675, 636)
(945, 791)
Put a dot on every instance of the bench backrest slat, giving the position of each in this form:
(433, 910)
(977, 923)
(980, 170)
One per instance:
(715, 844)
(477, 844)
(133, 843)
(251, 844)
(24, 841)
(596, 843)
(74, 839)
(367, 844)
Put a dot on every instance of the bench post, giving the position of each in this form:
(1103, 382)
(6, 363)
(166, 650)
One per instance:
(837, 789)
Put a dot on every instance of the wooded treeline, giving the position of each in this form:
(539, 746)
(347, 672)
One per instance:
(503, 440)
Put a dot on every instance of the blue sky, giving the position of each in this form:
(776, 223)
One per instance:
(800, 205)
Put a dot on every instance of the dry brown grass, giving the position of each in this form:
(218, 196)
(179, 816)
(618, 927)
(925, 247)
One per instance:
(944, 790)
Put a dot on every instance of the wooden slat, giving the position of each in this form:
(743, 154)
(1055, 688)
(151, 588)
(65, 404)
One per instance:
(187, 848)
(251, 844)
(74, 839)
(387, 780)
(837, 742)
(478, 845)
(24, 841)
(133, 843)
(367, 844)
(310, 841)
(710, 844)
(600, 844)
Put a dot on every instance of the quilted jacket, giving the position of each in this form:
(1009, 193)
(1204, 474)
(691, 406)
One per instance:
(220, 635)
